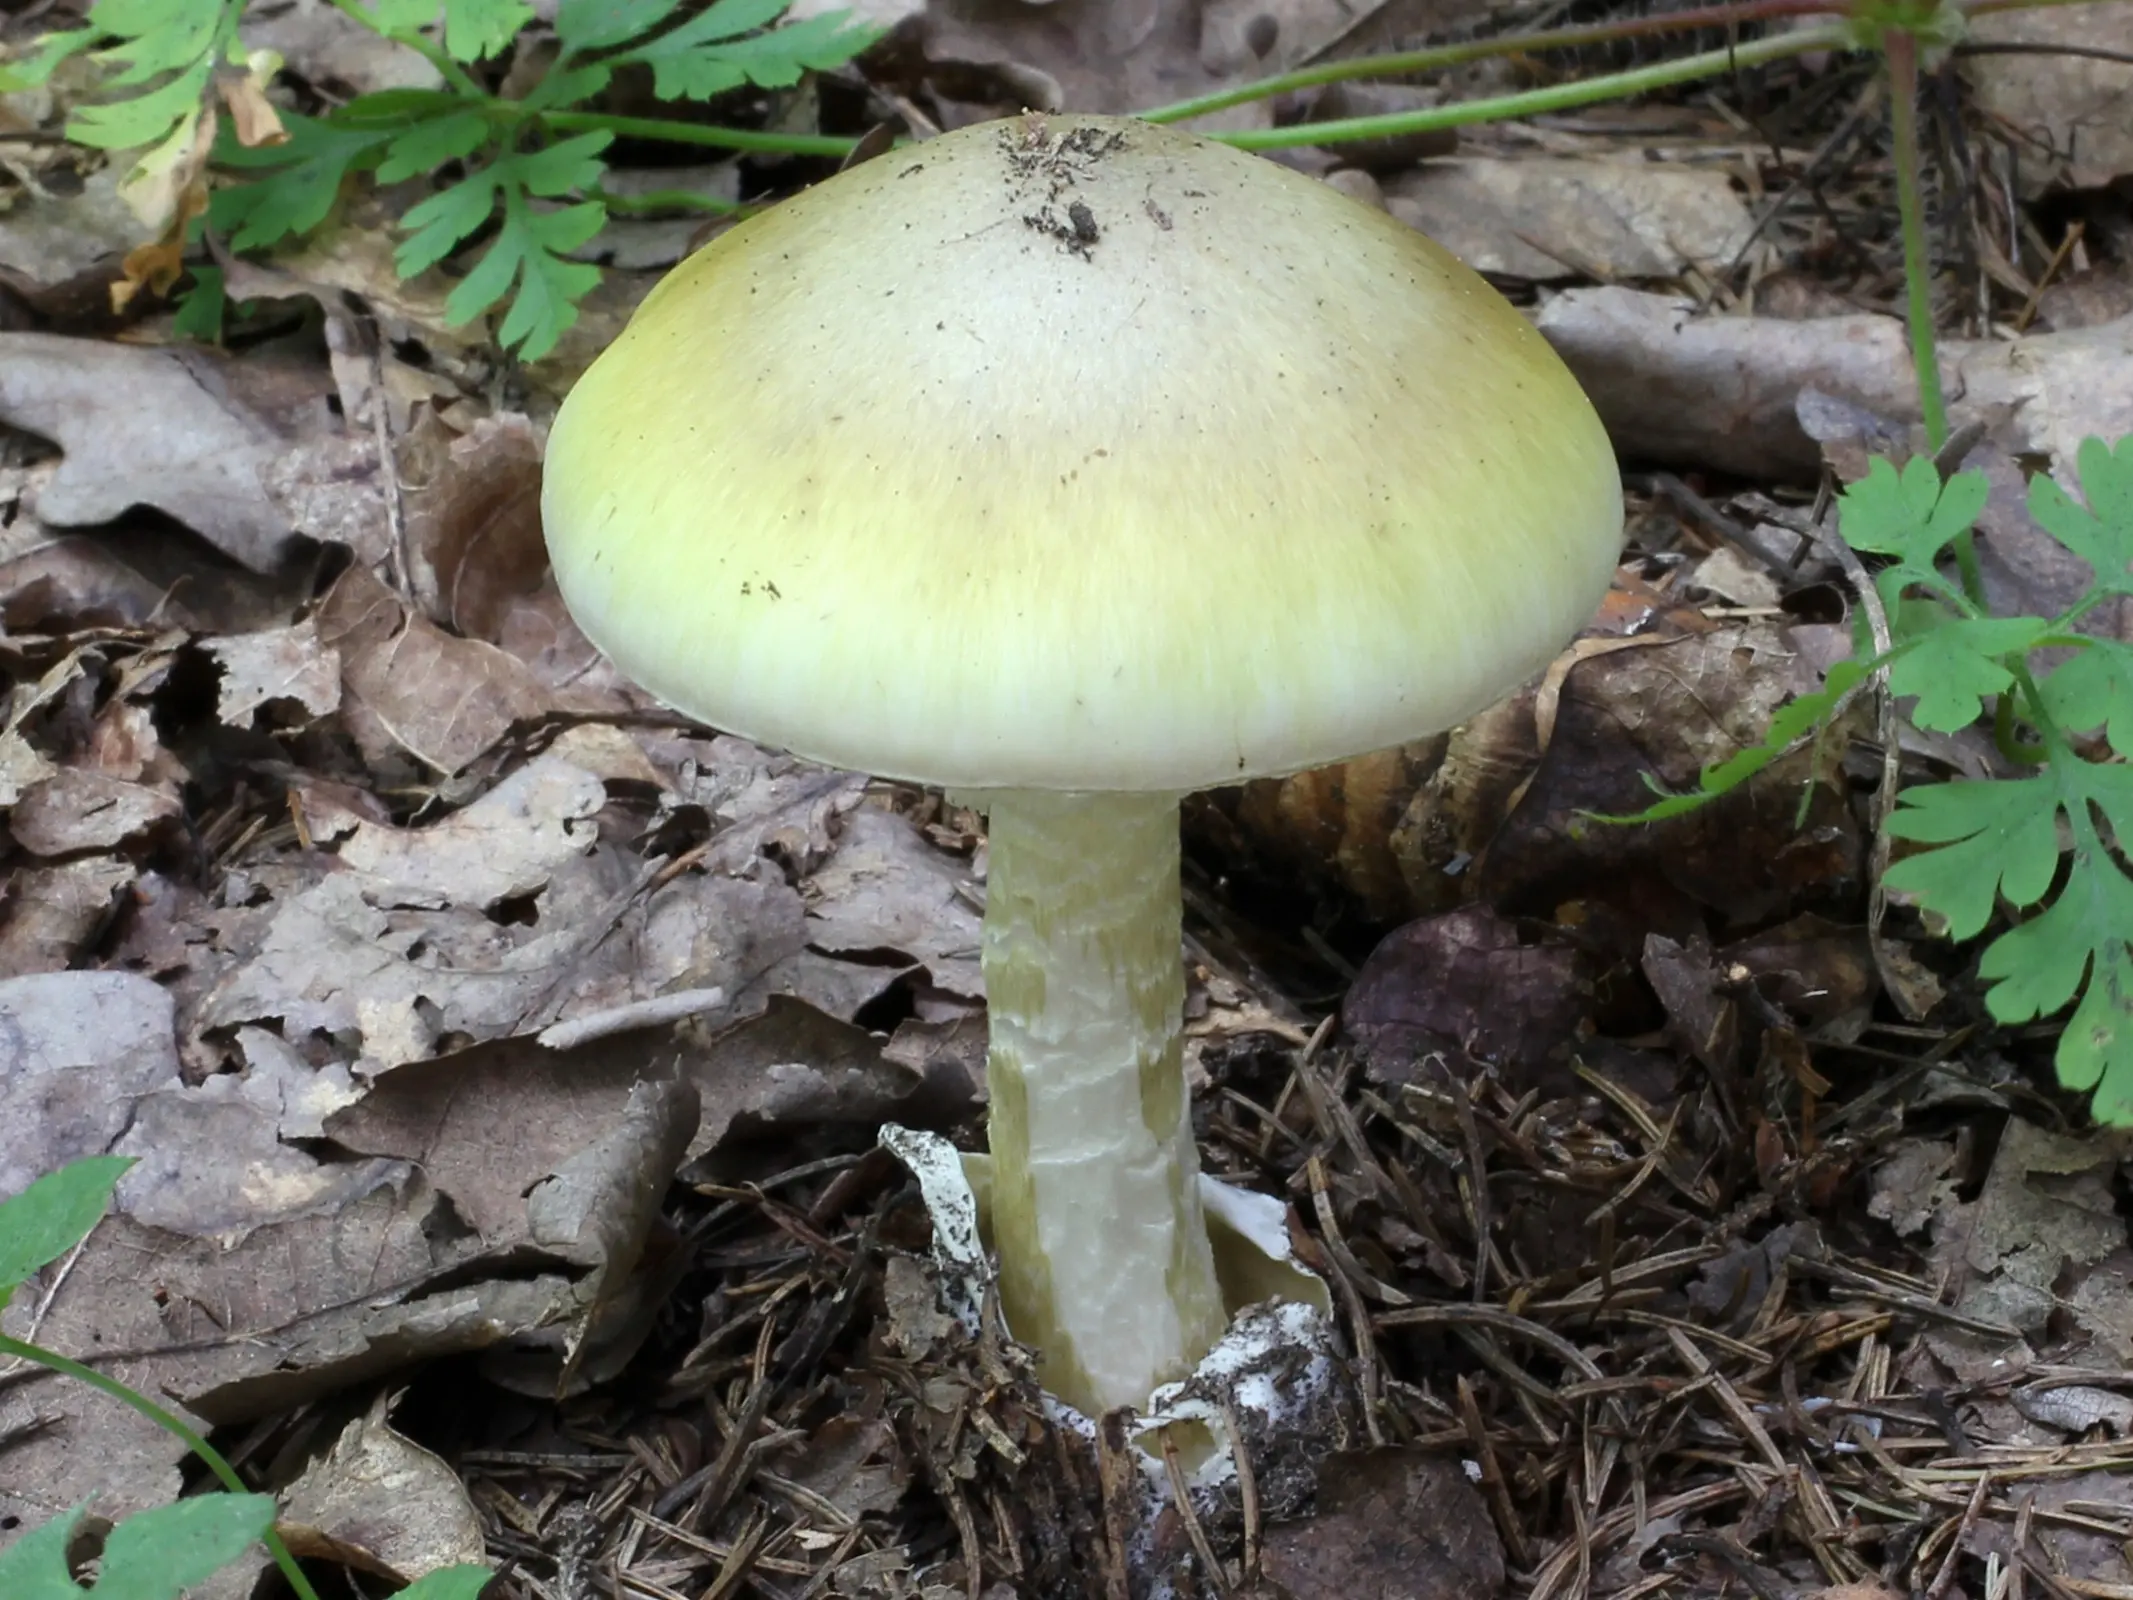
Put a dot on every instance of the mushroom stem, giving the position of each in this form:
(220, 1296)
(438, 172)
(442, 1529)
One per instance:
(1096, 1217)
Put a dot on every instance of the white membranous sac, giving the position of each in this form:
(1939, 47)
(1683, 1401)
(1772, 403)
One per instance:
(1076, 464)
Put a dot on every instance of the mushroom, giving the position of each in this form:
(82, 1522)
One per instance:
(1074, 464)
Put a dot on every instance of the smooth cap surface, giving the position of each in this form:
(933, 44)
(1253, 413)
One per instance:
(1078, 453)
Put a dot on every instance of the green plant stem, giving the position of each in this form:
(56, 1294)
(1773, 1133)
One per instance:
(625, 205)
(171, 1425)
(790, 144)
(1408, 62)
(1538, 102)
(1899, 52)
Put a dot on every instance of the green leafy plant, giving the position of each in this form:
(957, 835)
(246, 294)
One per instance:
(155, 1554)
(524, 173)
(495, 151)
(2050, 845)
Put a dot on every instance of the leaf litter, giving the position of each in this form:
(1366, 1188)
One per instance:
(503, 1056)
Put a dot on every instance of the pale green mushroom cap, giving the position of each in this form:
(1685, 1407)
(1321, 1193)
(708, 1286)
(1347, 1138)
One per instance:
(1078, 453)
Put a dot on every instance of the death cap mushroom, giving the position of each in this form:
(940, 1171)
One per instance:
(1078, 453)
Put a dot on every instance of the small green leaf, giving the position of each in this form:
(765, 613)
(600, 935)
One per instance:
(776, 60)
(157, 36)
(152, 1555)
(445, 218)
(2096, 1050)
(725, 19)
(2036, 967)
(477, 29)
(2094, 689)
(146, 119)
(429, 145)
(1954, 666)
(1996, 838)
(527, 252)
(1910, 515)
(42, 62)
(705, 55)
(449, 1583)
(54, 1214)
(567, 86)
(301, 179)
(157, 1555)
(2101, 533)
(201, 307)
(34, 1567)
(403, 19)
(564, 166)
(583, 25)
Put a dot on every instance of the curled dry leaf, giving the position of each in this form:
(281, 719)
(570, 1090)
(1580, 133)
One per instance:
(380, 1503)
(1667, 712)
(411, 687)
(237, 1275)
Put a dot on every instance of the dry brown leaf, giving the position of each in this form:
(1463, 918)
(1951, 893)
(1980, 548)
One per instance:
(1389, 1521)
(53, 241)
(87, 1067)
(1913, 1183)
(277, 664)
(163, 428)
(413, 687)
(1722, 391)
(49, 913)
(380, 1503)
(887, 889)
(2076, 111)
(237, 1276)
(333, 50)
(1546, 218)
(1119, 55)
(167, 191)
(252, 114)
(400, 957)
(1474, 987)
(474, 519)
(1667, 712)
(77, 809)
(2044, 1225)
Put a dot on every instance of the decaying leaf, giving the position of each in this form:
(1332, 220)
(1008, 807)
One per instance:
(163, 428)
(289, 664)
(238, 1274)
(413, 687)
(77, 809)
(380, 1503)
(1549, 218)
(1720, 391)
(1391, 1521)
(2073, 111)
